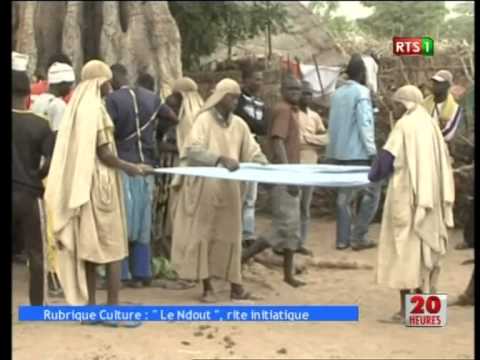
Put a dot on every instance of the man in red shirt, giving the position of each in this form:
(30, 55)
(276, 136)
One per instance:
(284, 148)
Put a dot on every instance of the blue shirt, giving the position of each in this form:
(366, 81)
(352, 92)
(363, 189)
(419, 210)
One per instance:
(121, 109)
(351, 126)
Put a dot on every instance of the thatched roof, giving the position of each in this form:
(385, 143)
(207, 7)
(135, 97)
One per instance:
(307, 37)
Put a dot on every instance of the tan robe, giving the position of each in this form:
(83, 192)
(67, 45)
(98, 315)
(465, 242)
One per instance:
(418, 205)
(207, 223)
(84, 195)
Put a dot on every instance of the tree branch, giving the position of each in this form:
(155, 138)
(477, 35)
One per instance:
(402, 69)
(465, 69)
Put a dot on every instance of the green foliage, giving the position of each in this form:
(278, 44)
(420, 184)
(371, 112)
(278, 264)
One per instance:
(338, 26)
(242, 21)
(204, 25)
(265, 14)
(198, 23)
(234, 26)
(324, 8)
(404, 18)
(462, 26)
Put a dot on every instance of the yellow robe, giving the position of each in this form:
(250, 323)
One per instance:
(207, 221)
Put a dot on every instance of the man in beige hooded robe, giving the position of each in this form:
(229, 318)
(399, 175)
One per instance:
(419, 201)
(84, 191)
(207, 224)
(186, 102)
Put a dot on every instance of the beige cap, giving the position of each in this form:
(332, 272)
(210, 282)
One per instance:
(442, 76)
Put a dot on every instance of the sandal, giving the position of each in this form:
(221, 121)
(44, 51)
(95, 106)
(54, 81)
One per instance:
(58, 293)
(90, 322)
(279, 252)
(243, 296)
(463, 246)
(125, 324)
(172, 285)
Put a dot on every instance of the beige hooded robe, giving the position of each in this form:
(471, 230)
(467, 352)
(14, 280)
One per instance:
(419, 200)
(207, 224)
(84, 195)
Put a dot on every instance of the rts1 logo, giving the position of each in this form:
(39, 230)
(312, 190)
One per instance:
(426, 310)
(408, 46)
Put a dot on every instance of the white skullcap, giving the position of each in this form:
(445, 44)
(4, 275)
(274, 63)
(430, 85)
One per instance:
(19, 61)
(442, 76)
(60, 72)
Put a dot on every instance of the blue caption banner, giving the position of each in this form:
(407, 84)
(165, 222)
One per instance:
(168, 313)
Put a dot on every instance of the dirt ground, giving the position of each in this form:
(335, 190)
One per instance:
(368, 338)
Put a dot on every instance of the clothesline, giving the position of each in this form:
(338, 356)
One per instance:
(303, 175)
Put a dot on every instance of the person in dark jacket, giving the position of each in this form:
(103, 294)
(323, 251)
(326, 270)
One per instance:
(252, 110)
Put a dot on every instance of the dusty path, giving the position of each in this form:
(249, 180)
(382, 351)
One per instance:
(366, 339)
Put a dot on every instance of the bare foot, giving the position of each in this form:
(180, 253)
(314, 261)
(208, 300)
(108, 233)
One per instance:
(294, 282)
(304, 251)
(396, 318)
(238, 293)
(209, 297)
(461, 300)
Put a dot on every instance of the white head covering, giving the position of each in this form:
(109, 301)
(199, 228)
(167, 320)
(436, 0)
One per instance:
(408, 95)
(60, 72)
(19, 61)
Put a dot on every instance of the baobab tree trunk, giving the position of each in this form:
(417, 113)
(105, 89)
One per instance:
(141, 35)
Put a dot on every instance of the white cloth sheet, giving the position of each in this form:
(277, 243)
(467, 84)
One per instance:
(328, 74)
(299, 174)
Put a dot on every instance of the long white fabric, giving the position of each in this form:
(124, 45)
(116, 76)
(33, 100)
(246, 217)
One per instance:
(299, 174)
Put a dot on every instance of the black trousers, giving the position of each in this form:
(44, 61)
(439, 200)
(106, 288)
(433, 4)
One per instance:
(468, 235)
(27, 228)
(470, 290)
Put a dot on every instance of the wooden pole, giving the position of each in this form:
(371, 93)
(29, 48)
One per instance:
(318, 74)
(269, 34)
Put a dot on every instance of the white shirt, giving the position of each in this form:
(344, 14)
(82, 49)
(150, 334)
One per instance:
(50, 107)
(372, 73)
(437, 111)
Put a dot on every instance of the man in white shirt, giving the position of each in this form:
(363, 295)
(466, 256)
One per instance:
(51, 104)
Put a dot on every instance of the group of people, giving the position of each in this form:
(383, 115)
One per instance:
(99, 142)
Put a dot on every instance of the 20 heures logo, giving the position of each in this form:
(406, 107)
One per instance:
(426, 310)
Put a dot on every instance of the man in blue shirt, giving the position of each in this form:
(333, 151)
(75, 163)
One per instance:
(352, 142)
(134, 112)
